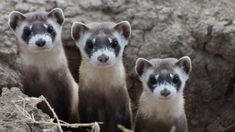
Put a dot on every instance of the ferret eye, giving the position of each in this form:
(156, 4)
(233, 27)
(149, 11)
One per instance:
(89, 44)
(175, 79)
(26, 31)
(50, 29)
(114, 43)
(153, 80)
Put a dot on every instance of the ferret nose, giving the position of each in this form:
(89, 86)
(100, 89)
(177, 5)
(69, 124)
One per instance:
(103, 58)
(40, 43)
(165, 92)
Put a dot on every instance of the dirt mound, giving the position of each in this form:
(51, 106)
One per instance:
(203, 30)
(11, 119)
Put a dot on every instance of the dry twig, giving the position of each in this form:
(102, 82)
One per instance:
(59, 123)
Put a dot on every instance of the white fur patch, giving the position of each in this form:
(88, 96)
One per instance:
(167, 86)
(19, 31)
(157, 76)
(32, 42)
(182, 75)
(110, 40)
(122, 41)
(171, 75)
(145, 76)
(45, 25)
(55, 25)
(81, 44)
(57, 29)
(93, 40)
(30, 27)
(110, 53)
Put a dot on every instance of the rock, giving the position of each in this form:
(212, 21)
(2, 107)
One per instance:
(88, 4)
(62, 4)
(11, 119)
(23, 7)
(105, 5)
(9, 77)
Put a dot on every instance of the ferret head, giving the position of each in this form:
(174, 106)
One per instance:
(37, 31)
(164, 79)
(101, 44)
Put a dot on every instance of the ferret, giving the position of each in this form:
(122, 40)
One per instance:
(161, 105)
(103, 94)
(43, 62)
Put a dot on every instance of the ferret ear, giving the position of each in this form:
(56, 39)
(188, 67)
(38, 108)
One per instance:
(57, 14)
(141, 65)
(124, 28)
(14, 19)
(185, 64)
(77, 30)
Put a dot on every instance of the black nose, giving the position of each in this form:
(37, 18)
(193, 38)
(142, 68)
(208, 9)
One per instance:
(40, 43)
(165, 92)
(103, 58)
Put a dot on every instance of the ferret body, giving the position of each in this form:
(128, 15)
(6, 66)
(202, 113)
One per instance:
(161, 106)
(103, 94)
(43, 62)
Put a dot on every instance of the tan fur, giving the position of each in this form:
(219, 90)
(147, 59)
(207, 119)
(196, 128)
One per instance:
(99, 77)
(74, 110)
(107, 86)
(166, 111)
(52, 61)
(157, 116)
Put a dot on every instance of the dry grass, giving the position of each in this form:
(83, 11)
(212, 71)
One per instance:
(59, 123)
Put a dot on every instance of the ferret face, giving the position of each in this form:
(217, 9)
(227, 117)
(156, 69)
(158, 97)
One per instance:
(101, 44)
(37, 31)
(164, 79)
